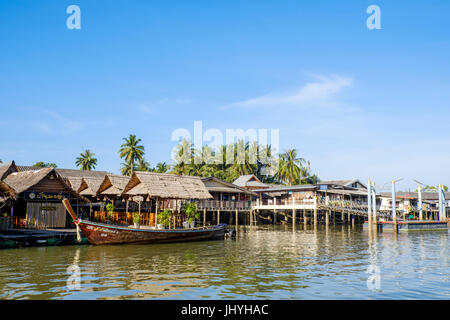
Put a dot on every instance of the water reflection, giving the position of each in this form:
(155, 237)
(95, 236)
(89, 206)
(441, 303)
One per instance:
(300, 262)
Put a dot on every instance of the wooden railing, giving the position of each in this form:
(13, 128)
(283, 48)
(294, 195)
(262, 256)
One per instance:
(222, 204)
(283, 202)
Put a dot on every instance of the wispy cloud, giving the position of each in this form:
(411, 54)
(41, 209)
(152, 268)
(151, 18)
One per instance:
(46, 121)
(321, 92)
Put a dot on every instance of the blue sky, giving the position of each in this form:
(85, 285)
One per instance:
(355, 102)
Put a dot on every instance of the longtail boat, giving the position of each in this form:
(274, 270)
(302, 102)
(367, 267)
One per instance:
(101, 233)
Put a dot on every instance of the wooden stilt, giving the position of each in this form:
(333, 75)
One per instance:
(315, 215)
(204, 217)
(126, 212)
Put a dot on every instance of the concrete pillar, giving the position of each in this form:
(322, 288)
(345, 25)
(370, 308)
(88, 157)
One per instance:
(218, 216)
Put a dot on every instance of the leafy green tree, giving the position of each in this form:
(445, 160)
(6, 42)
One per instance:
(143, 166)
(42, 164)
(161, 167)
(86, 160)
(290, 167)
(131, 152)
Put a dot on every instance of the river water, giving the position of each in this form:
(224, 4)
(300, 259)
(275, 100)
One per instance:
(263, 262)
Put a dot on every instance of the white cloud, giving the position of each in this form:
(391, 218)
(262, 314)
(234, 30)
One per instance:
(321, 92)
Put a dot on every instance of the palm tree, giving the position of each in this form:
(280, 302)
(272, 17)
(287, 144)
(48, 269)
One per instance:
(290, 167)
(127, 168)
(161, 167)
(142, 166)
(131, 151)
(86, 160)
(183, 157)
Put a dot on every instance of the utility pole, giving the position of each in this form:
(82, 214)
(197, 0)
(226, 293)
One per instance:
(394, 212)
(369, 202)
(374, 202)
(419, 204)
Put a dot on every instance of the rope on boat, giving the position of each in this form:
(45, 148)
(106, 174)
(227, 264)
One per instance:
(78, 230)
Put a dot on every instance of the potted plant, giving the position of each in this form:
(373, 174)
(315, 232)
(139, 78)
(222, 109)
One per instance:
(164, 217)
(110, 208)
(190, 209)
(136, 220)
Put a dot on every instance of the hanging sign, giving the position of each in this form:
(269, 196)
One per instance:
(45, 196)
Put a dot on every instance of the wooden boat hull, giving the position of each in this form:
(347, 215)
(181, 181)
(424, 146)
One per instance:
(99, 233)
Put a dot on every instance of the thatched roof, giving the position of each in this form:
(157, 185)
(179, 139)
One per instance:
(166, 186)
(23, 181)
(74, 182)
(7, 168)
(89, 186)
(113, 185)
(73, 173)
(6, 192)
(26, 180)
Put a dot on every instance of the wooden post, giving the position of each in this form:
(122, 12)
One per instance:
(218, 216)
(126, 212)
(139, 202)
(294, 218)
(237, 219)
(12, 214)
(327, 218)
(315, 215)
(103, 210)
(251, 217)
(156, 212)
(305, 218)
(204, 217)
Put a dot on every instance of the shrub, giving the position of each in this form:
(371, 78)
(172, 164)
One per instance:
(164, 217)
(136, 217)
(190, 209)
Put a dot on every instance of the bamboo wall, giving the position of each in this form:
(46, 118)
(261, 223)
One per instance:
(41, 215)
